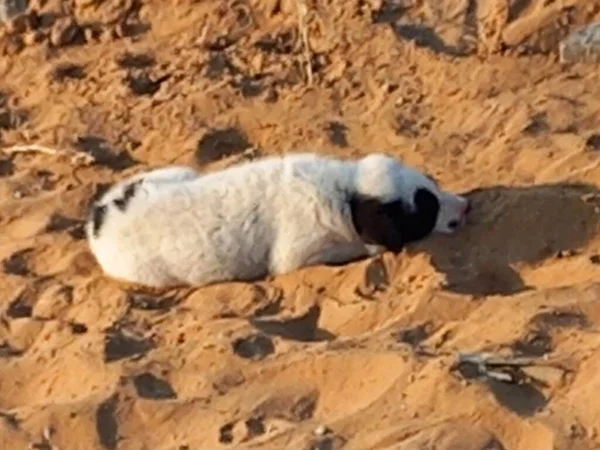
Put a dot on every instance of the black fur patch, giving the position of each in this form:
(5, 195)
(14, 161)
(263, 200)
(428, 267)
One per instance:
(98, 217)
(128, 194)
(393, 224)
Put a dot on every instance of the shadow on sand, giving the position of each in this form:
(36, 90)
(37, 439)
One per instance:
(513, 225)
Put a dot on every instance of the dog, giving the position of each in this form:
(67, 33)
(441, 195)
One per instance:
(175, 227)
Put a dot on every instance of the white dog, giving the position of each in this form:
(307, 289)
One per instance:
(172, 226)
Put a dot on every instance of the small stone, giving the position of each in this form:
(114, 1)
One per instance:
(595, 259)
(582, 45)
(321, 430)
(11, 8)
(566, 253)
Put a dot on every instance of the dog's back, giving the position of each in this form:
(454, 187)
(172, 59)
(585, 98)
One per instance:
(240, 223)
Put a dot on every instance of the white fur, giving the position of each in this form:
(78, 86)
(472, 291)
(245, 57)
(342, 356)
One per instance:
(269, 216)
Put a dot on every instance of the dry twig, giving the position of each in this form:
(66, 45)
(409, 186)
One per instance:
(507, 370)
(75, 157)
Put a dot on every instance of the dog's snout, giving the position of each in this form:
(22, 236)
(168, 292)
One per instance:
(454, 213)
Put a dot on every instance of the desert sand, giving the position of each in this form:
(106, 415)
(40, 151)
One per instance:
(361, 356)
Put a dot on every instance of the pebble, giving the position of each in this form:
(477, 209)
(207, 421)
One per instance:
(11, 8)
(581, 46)
(321, 430)
(566, 253)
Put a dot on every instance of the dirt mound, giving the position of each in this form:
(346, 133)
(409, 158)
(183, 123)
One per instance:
(355, 357)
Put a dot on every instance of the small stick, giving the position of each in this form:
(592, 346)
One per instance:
(499, 376)
(482, 358)
(485, 361)
(30, 148)
(75, 157)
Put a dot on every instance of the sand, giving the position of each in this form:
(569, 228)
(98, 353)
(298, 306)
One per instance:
(354, 357)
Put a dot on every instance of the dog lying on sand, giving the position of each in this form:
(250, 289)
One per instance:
(174, 227)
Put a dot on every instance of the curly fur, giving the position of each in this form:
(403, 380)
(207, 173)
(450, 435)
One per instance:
(172, 226)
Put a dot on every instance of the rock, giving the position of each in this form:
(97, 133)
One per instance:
(321, 430)
(12, 8)
(581, 46)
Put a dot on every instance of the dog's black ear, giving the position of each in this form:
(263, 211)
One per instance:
(379, 223)
(393, 224)
(420, 223)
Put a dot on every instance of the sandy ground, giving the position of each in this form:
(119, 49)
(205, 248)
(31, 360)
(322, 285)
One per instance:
(357, 357)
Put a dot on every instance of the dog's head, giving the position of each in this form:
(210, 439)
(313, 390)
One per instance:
(393, 204)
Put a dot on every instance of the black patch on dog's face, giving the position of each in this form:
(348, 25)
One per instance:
(128, 194)
(98, 217)
(393, 224)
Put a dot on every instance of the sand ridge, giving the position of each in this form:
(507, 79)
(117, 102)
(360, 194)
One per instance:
(355, 357)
